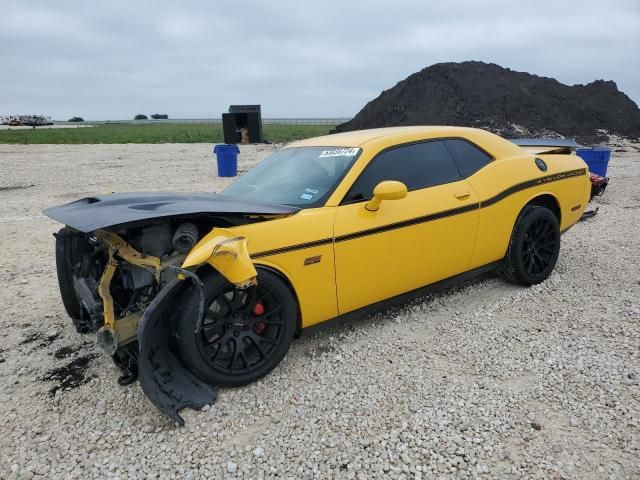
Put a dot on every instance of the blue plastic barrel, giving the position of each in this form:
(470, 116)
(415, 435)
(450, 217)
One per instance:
(227, 157)
(597, 159)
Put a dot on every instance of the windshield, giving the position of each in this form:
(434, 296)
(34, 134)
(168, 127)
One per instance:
(303, 176)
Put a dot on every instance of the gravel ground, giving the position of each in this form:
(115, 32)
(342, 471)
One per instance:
(484, 381)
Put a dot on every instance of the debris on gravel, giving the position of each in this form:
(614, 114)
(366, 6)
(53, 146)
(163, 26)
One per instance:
(71, 375)
(485, 380)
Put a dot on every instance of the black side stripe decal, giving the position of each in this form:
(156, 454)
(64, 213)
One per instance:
(532, 183)
(428, 218)
(291, 248)
(407, 223)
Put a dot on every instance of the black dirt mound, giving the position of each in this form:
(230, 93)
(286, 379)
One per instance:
(512, 104)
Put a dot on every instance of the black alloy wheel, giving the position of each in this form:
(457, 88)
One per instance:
(244, 333)
(539, 246)
(534, 247)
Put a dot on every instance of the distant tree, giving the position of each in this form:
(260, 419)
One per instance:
(160, 116)
(140, 116)
(76, 119)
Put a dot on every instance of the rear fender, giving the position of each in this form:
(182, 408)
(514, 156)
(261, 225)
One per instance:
(228, 254)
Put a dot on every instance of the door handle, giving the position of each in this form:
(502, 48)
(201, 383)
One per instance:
(462, 195)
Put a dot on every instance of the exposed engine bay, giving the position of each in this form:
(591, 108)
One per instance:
(134, 263)
(114, 275)
(126, 269)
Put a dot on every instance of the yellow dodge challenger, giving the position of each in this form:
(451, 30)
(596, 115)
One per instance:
(191, 291)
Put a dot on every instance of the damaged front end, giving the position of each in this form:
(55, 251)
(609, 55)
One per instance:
(162, 374)
(128, 279)
(225, 252)
(146, 323)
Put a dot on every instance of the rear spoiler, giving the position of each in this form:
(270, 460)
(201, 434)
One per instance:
(546, 145)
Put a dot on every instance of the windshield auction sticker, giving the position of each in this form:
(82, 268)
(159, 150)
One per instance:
(339, 152)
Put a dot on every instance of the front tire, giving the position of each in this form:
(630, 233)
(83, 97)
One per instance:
(71, 248)
(245, 333)
(534, 247)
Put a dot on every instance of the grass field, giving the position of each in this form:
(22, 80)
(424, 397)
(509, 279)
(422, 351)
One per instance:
(158, 133)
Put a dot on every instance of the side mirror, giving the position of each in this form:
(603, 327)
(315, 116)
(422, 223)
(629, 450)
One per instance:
(387, 190)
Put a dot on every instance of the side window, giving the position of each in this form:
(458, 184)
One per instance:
(419, 165)
(468, 157)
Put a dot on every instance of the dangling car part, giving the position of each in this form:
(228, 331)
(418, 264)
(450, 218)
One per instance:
(167, 384)
(163, 378)
(193, 291)
(598, 186)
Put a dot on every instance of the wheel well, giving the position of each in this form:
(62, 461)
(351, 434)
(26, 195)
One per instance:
(548, 201)
(284, 279)
(289, 285)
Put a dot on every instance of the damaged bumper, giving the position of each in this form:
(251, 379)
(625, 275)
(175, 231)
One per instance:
(598, 184)
(162, 374)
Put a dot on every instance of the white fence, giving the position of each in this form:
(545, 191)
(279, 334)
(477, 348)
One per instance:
(281, 121)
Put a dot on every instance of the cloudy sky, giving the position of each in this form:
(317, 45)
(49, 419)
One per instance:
(191, 59)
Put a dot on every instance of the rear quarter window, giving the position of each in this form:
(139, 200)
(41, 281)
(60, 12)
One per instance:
(468, 158)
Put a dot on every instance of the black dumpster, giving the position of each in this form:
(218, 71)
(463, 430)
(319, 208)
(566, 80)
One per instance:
(243, 124)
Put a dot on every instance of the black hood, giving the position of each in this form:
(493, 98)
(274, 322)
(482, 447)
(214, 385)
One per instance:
(103, 211)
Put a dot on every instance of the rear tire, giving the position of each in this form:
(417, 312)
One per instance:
(245, 333)
(71, 248)
(534, 247)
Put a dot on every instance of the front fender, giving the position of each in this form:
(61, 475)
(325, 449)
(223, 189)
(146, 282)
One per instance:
(227, 252)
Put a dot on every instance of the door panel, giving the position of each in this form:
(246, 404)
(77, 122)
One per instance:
(427, 236)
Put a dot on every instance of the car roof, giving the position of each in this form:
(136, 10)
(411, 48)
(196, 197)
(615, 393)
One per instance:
(378, 138)
(358, 137)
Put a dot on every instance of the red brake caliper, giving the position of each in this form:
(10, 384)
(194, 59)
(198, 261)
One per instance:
(258, 327)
